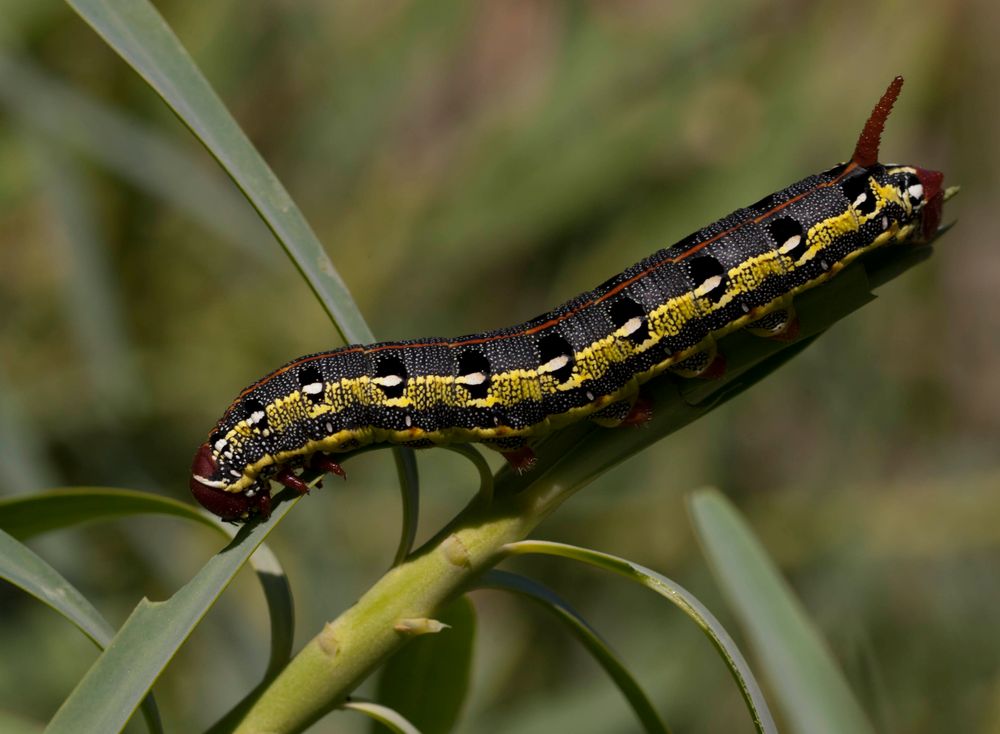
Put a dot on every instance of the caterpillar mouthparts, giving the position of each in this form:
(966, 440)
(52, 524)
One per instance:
(211, 495)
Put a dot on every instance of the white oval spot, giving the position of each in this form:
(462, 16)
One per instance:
(473, 378)
(329, 427)
(709, 285)
(916, 191)
(631, 326)
(220, 444)
(313, 388)
(790, 244)
(389, 380)
(409, 421)
(885, 222)
(590, 395)
(256, 417)
(555, 364)
(862, 198)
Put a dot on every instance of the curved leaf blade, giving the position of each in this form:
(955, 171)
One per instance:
(26, 570)
(806, 679)
(409, 490)
(396, 722)
(23, 568)
(683, 599)
(150, 637)
(138, 33)
(27, 515)
(588, 637)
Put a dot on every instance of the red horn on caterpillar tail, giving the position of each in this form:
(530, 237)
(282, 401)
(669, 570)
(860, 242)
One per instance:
(866, 156)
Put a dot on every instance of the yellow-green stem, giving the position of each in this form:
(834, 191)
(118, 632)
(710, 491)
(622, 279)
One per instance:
(351, 647)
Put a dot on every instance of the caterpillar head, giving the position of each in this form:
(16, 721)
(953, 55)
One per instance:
(208, 488)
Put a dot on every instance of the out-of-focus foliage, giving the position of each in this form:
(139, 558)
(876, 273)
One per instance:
(468, 165)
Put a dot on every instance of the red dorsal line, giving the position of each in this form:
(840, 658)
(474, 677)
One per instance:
(865, 155)
(866, 151)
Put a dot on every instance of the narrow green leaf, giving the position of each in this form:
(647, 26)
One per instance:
(382, 714)
(595, 644)
(138, 33)
(805, 677)
(409, 489)
(428, 679)
(151, 635)
(26, 570)
(23, 568)
(683, 599)
(27, 515)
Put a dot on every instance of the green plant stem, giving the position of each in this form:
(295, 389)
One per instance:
(348, 649)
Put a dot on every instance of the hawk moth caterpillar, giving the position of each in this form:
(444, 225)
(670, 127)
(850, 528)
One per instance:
(584, 359)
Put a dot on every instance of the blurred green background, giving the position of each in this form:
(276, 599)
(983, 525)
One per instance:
(469, 165)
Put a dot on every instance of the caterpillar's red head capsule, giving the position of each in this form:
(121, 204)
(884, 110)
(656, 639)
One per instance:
(207, 489)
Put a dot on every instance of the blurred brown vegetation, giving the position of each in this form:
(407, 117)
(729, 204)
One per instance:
(469, 165)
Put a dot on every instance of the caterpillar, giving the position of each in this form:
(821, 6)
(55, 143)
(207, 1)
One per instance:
(584, 359)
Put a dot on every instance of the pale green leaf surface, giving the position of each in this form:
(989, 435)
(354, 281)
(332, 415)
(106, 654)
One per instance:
(23, 568)
(428, 679)
(804, 675)
(595, 644)
(150, 637)
(25, 516)
(683, 599)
